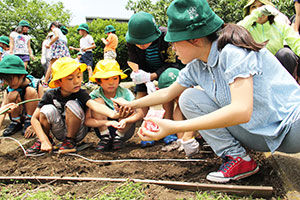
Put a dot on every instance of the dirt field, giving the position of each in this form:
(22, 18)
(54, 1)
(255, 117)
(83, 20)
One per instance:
(17, 164)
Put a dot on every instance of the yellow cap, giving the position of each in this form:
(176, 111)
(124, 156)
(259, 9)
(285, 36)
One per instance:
(63, 67)
(107, 68)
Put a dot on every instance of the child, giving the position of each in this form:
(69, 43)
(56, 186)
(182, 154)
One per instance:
(4, 43)
(185, 141)
(21, 86)
(58, 46)
(86, 45)
(20, 42)
(111, 133)
(248, 98)
(79, 54)
(111, 42)
(62, 110)
(46, 52)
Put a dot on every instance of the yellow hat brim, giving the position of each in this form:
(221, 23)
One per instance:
(108, 74)
(66, 71)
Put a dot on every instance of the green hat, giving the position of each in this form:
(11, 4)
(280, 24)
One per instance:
(12, 64)
(4, 39)
(24, 23)
(79, 53)
(191, 19)
(250, 2)
(109, 29)
(168, 77)
(83, 26)
(142, 29)
(64, 30)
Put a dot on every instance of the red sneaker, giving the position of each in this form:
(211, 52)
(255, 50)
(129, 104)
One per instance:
(233, 169)
(68, 146)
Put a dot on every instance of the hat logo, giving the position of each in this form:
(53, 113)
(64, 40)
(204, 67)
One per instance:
(193, 12)
(172, 75)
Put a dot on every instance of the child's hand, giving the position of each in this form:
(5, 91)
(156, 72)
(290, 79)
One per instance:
(115, 115)
(121, 124)
(47, 46)
(46, 146)
(112, 123)
(71, 48)
(29, 132)
(125, 111)
(10, 106)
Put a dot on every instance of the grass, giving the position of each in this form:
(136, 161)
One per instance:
(126, 191)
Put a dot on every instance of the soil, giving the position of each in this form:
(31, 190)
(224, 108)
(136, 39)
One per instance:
(16, 164)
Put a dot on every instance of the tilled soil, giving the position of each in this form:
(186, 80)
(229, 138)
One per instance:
(16, 164)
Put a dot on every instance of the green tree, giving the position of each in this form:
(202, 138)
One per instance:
(39, 14)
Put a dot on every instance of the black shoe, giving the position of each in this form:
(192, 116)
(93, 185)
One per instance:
(117, 143)
(27, 123)
(104, 144)
(12, 128)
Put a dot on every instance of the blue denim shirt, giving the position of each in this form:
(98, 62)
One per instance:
(276, 95)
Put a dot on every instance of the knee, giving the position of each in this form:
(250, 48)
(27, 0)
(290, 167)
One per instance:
(30, 93)
(185, 98)
(13, 96)
(285, 53)
(74, 109)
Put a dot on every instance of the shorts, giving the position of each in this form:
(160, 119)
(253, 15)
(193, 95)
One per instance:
(110, 55)
(58, 126)
(23, 57)
(87, 58)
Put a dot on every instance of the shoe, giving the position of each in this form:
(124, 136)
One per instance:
(147, 144)
(104, 144)
(233, 169)
(35, 148)
(12, 128)
(27, 123)
(117, 143)
(170, 138)
(68, 146)
(174, 145)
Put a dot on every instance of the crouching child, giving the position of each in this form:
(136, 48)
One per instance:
(112, 133)
(62, 109)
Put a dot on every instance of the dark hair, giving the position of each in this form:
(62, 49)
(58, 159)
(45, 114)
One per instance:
(56, 24)
(236, 35)
(9, 77)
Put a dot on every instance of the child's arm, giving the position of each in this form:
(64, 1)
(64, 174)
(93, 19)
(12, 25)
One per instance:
(30, 50)
(11, 45)
(37, 127)
(56, 36)
(74, 48)
(102, 109)
(93, 46)
(92, 122)
(104, 41)
(4, 102)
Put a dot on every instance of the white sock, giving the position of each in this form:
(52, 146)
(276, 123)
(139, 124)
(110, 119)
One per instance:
(120, 134)
(105, 132)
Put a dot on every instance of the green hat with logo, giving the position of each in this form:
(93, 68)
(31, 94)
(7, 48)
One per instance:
(142, 29)
(24, 23)
(168, 77)
(191, 19)
(83, 26)
(109, 29)
(4, 39)
(250, 2)
(12, 64)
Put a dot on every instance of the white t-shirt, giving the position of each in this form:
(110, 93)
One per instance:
(61, 36)
(20, 43)
(86, 41)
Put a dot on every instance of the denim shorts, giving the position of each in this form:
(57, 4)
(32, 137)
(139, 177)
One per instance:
(87, 58)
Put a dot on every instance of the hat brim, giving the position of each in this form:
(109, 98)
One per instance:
(109, 31)
(212, 25)
(13, 71)
(108, 74)
(66, 72)
(4, 42)
(146, 40)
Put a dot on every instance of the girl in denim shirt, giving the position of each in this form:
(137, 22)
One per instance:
(247, 98)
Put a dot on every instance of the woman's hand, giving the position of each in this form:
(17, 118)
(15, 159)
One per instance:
(166, 127)
(119, 102)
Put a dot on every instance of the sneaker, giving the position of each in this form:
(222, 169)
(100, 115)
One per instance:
(27, 123)
(35, 148)
(170, 138)
(12, 128)
(233, 169)
(174, 145)
(117, 143)
(104, 144)
(147, 144)
(68, 146)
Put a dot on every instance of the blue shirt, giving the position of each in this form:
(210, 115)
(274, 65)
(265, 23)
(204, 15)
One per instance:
(276, 95)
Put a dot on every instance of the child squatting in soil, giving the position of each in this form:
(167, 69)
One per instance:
(112, 134)
(248, 98)
(62, 109)
(21, 87)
